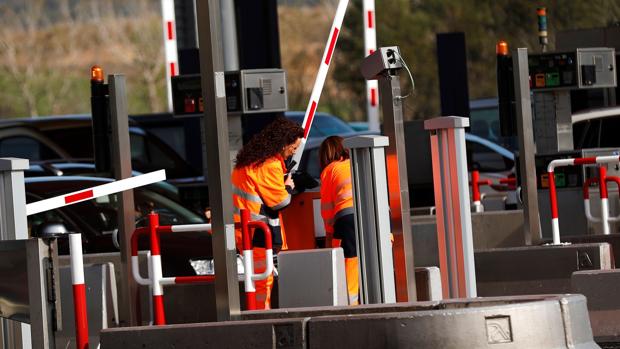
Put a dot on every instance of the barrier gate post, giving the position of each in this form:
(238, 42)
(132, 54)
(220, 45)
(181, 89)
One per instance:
(384, 65)
(372, 218)
(13, 226)
(454, 232)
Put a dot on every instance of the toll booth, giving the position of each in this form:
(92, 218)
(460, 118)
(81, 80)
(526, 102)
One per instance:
(552, 78)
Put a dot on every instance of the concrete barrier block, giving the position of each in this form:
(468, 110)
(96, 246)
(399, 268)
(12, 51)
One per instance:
(428, 284)
(495, 229)
(536, 269)
(601, 288)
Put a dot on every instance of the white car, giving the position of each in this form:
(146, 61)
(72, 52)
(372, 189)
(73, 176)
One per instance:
(596, 128)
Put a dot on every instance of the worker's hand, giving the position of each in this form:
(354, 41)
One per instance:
(289, 181)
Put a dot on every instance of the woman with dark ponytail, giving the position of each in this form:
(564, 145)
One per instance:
(337, 207)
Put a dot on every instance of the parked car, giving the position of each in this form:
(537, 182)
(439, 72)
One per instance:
(96, 220)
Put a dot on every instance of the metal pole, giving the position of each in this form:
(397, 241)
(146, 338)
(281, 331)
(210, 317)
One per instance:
(121, 164)
(231, 63)
(229, 35)
(393, 128)
(527, 148)
(13, 226)
(217, 158)
(41, 255)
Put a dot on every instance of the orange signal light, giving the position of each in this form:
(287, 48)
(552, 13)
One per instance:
(96, 73)
(501, 49)
(541, 11)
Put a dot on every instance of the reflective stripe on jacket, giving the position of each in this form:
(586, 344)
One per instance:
(336, 193)
(261, 190)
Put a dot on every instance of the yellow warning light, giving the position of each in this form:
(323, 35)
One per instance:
(96, 73)
(502, 48)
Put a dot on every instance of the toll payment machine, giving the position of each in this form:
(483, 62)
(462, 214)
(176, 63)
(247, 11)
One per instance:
(247, 92)
(552, 76)
(251, 91)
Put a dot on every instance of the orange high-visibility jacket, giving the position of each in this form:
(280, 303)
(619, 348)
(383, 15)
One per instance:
(261, 190)
(336, 193)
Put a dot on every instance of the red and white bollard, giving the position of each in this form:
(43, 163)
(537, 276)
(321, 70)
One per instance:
(79, 291)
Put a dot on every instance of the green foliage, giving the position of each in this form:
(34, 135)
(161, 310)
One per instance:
(46, 50)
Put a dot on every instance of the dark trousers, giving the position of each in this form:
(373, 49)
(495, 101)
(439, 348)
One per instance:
(344, 229)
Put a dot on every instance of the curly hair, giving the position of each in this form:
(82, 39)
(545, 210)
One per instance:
(331, 150)
(269, 142)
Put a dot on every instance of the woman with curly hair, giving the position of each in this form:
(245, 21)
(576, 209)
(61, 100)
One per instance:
(260, 184)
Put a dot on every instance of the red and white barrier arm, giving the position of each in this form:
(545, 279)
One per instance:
(370, 46)
(79, 291)
(555, 223)
(320, 77)
(95, 192)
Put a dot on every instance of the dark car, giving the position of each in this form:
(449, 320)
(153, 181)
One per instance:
(70, 137)
(96, 219)
(323, 124)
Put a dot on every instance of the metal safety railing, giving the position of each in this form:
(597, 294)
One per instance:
(476, 183)
(605, 218)
(600, 160)
(157, 281)
(478, 197)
